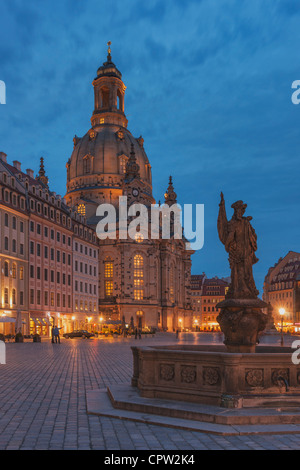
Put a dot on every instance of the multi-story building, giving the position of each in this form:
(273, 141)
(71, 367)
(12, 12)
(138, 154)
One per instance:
(282, 290)
(206, 294)
(196, 295)
(14, 219)
(38, 255)
(85, 276)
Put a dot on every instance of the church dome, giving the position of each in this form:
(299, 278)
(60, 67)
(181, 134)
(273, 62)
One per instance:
(97, 166)
(104, 151)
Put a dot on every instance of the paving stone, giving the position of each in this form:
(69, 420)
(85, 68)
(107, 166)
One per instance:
(43, 402)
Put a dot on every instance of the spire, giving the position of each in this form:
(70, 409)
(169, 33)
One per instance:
(170, 195)
(132, 167)
(42, 174)
(109, 52)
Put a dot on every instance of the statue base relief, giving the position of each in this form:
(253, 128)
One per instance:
(241, 321)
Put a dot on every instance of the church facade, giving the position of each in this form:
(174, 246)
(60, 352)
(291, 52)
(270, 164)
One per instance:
(142, 280)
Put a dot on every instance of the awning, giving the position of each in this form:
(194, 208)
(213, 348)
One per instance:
(35, 320)
(42, 322)
(7, 320)
(47, 321)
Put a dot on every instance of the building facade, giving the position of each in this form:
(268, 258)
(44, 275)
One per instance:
(282, 290)
(85, 286)
(37, 252)
(14, 219)
(206, 294)
(141, 279)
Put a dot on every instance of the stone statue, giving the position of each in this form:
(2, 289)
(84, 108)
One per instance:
(241, 318)
(239, 239)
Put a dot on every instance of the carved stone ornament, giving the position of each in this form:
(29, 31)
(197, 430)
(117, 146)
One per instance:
(188, 374)
(211, 375)
(167, 372)
(254, 377)
(279, 376)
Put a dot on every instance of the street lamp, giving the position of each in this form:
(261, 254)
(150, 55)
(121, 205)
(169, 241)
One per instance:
(282, 312)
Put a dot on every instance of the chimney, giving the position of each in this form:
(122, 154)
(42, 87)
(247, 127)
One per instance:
(30, 173)
(3, 157)
(17, 165)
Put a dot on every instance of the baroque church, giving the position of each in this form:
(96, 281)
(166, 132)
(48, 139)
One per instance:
(146, 281)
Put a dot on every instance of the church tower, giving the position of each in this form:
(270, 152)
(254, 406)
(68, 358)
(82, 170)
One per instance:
(97, 166)
(142, 279)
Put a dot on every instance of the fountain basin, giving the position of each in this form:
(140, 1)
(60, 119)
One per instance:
(211, 375)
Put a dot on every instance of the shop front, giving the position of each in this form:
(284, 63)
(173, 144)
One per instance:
(41, 325)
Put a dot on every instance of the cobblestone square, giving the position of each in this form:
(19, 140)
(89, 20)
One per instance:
(43, 402)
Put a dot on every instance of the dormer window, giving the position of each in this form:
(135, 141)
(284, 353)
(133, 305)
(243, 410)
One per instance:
(92, 134)
(120, 134)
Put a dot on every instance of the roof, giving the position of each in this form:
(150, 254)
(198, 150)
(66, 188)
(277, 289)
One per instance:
(289, 272)
(196, 281)
(215, 286)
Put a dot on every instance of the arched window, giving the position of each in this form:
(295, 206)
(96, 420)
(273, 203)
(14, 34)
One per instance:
(6, 269)
(14, 271)
(138, 277)
(87, 165)
(14, 297)
(122, 163)
(6, 295)
(81, 209)
(104, 97)
(120, 102)
(108, 276)
(139, 237)
(140, 319)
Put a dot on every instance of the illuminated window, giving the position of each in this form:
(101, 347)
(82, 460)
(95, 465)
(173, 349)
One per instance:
(81, 209)
(140, 318)
(108, 288)
(101, 120)
(122, 166)
(139, 237)
(21, 273)
(6, 295)
(108, 276)
(138, 277)
(14, 271)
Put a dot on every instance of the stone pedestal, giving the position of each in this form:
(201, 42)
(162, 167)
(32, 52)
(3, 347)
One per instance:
(241, 321)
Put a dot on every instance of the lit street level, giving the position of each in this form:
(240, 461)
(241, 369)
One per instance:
(43, 406)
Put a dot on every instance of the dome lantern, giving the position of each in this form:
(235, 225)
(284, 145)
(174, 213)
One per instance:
(109, 92)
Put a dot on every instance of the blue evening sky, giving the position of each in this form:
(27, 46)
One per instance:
(208, 87)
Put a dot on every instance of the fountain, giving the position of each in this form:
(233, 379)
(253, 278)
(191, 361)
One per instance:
(241, 373)
(240, 382)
